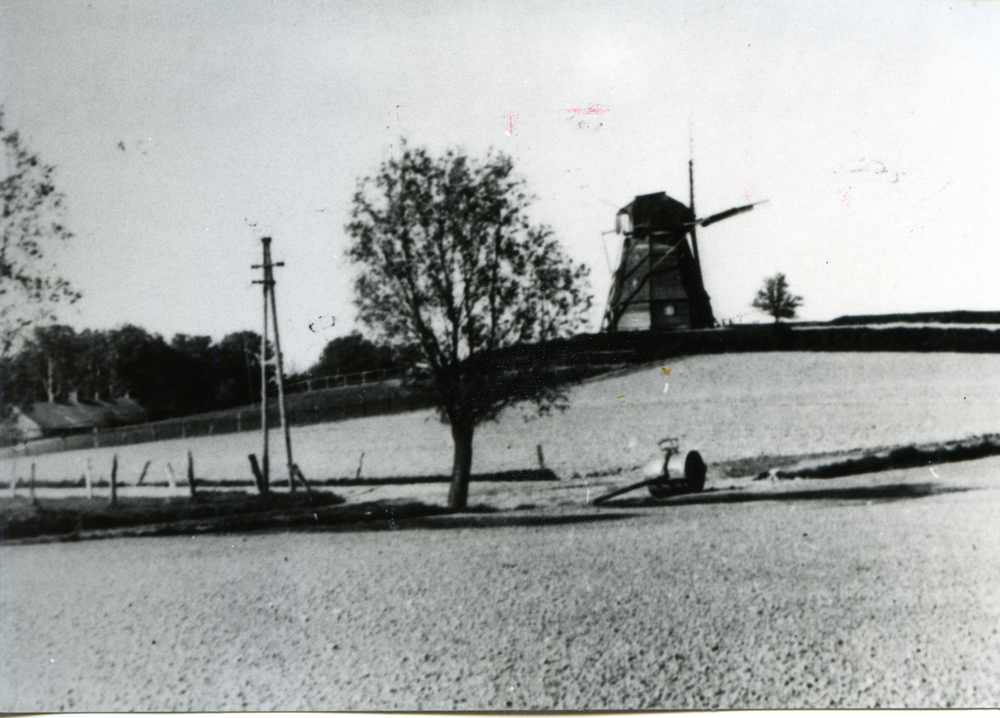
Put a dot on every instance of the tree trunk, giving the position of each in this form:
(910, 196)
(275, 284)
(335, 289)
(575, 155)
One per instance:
(461, 470)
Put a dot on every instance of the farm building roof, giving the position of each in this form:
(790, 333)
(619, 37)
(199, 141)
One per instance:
(75, 416)
(123, 411)
(53, 416)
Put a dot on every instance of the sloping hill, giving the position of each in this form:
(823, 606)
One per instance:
(728, 407)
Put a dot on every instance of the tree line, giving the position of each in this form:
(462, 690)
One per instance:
(187, 375)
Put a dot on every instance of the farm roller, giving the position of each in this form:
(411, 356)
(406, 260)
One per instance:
(680, 473)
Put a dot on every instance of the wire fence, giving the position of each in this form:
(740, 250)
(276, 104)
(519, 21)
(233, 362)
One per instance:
(333, 381)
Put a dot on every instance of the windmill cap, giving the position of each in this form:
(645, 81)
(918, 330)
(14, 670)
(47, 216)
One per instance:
(652, 212)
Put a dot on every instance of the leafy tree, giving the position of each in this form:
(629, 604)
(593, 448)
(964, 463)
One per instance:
(450, 263)
(93, 371)
(776, 300)
(351, 354)
(45, 369)
(139, 367)
(56, 348)
(236, 369)
(196, 347)
(128, 358)
(192, 374)
(21, 378)
(32, 208)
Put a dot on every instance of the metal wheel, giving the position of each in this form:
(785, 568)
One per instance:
(694, 471)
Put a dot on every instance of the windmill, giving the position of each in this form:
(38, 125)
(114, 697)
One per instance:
(658, 284)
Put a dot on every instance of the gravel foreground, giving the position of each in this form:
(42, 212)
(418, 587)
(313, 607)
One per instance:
(877, 590)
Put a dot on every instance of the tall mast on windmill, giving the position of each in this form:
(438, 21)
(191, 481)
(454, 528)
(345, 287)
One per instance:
(694, 235)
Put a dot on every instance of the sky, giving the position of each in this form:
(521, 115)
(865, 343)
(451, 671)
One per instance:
(184, 131)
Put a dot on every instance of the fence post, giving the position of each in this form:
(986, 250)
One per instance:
(298, 472)
(170, 476)
(257, 475)
(191, 479)
(114, 482)
(143, 474)
(96, 442)
(89, 481)
(239, 421)
(183, 428)
(31, 486)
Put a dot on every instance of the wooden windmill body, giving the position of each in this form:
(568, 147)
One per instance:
(658, 284)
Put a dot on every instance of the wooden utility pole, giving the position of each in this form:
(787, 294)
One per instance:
(268, 284)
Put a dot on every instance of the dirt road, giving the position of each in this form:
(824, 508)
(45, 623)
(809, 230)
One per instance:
(878, 590)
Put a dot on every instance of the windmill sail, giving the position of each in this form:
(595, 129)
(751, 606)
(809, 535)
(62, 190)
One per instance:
(705, 221)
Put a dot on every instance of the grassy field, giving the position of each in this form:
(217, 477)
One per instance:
(727, 407)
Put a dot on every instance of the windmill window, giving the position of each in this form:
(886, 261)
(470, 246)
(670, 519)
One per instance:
(623, 223)
(669, 310)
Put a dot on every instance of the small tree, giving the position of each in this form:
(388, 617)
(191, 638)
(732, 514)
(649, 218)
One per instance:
(451, 264)
(351, 354)
(32, 208)
(776, 300)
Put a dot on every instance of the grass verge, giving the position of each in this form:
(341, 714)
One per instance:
(904, 457)
(73, 516)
